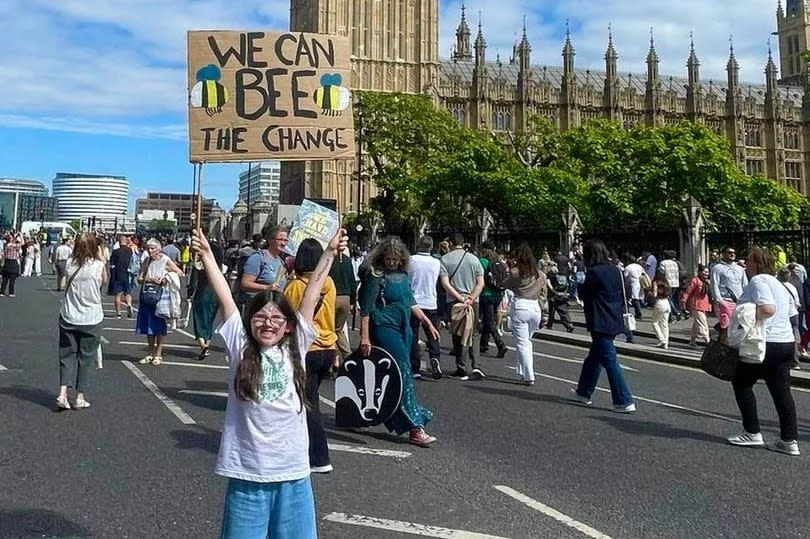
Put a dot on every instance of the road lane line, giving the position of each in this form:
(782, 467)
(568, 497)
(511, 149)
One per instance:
(369, 451)
(551, 512)
(131, 330)
(197, 365)
(2, 368)
(167, 402)
(567, 360)
(634, 358)
(645, 399)
(104, 340)
(182, 331)
(207, 393)
(176, 346)
(327, 402)
(405, 527)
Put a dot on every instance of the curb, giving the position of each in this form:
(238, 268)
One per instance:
(797, 378)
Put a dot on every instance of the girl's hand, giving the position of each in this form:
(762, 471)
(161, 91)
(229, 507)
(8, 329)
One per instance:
(365, 347)
(199, 243)
(339, 242)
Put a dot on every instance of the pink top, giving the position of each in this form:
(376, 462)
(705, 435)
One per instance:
(696, 296)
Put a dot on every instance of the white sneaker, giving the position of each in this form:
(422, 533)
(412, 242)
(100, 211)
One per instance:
(629, 409)
(746, 439)
(146, 360)
(322, 469)
(788, 448)
(576, 397)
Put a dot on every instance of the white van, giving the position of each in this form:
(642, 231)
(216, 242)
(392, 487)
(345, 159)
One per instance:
(54, 230)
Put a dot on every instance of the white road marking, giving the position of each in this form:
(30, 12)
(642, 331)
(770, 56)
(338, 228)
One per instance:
(131, 330)
(104, 340)
(633, 358)
(551, 512)
(176, 346)
(645, 399)
(369, 451)
(405, 527)
(568, 360)
(167, 402)
(208, 393)
(327, 402)
(182, 331)
(2, 368)
(198, 365)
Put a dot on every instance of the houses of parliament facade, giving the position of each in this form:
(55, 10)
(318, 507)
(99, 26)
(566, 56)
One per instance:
(395, 47)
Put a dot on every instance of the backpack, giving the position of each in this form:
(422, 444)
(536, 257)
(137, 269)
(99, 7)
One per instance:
(496, 275)
(560, 283)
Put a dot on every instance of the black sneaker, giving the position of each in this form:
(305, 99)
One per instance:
(417, 376)
(570, 329)
(459, 373)
(477, 374)
(436, 368)
(502, 350)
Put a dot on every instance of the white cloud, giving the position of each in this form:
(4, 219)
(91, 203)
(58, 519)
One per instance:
(97, 66)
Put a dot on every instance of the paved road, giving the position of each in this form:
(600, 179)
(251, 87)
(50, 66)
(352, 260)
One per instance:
(511, 461)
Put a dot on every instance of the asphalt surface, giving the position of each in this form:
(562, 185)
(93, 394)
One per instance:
(511, 461)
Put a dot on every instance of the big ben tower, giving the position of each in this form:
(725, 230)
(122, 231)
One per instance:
(395, 47)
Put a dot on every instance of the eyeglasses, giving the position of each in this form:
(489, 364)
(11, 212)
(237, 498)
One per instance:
(260, 319)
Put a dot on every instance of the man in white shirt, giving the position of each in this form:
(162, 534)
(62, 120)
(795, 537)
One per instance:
(726, 285)
(671, 270)
(60, 258)
(423, 270)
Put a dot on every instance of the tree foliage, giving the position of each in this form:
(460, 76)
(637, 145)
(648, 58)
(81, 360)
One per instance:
(428, 167)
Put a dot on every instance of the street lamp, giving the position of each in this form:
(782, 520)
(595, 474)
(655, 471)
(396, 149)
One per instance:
(360, 112)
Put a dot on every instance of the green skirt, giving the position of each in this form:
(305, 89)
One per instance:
(204, 305)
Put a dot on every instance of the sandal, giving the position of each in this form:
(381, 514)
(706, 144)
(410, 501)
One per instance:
(146, 360)
(157, 360)
(62, 404)
(81, 404)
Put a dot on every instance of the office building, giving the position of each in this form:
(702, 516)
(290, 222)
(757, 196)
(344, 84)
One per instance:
(23, 186)
(179, 205)
(260, 181)
(88, 195)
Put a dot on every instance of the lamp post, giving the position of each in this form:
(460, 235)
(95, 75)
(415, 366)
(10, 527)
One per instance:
(249, 189)
(360, 111)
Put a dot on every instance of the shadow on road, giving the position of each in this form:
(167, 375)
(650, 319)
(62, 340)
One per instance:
(38, 523)
(660, 430)
(198, 437)
(524, 394)
(30, 394)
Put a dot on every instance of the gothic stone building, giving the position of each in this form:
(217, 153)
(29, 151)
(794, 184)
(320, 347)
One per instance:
(395, 48)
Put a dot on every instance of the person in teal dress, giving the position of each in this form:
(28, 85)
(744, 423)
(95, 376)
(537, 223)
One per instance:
(386, 304)
(204, 303)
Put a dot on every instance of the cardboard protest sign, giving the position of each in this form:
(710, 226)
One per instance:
(268, 95)
(312, 221)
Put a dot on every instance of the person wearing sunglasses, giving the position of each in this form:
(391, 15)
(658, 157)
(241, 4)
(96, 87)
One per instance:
(727, 282)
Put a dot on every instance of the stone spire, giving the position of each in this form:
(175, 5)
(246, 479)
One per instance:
(568, 52)
(610, 55)
(568, 92)
(693, 91)
(611, 93)
(463, 49)
(524, 50)
(652, 60)
(653, 87)
(693, 64)
(480, 44)
(771, 74)
(732, 67)
(780, 13)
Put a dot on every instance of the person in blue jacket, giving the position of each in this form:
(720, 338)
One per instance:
(603, 303)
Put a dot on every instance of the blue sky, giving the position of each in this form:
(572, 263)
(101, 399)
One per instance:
(98, 86)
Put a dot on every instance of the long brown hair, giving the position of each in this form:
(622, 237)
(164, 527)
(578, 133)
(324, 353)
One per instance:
(525, 263)
(84, 248)
(249, 371)
(391, 244)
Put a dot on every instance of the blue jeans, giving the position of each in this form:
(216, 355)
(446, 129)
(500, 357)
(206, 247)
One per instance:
(284, 510)
(603, 354)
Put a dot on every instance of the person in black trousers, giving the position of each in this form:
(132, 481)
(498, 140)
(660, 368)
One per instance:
(489, 301)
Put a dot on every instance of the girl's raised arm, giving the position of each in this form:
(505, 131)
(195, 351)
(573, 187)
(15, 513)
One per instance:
(199, 244)
(313, 290)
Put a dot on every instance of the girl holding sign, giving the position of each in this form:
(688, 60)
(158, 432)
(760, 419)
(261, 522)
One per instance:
(264, 449)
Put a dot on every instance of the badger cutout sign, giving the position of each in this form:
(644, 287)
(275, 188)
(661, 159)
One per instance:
(268, 95)
(367, 389)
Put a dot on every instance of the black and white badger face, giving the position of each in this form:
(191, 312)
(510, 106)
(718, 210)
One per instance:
(367, 391)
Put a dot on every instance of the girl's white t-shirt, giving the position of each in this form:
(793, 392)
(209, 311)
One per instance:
(265, 441)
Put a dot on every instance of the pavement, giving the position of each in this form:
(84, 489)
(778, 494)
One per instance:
(510, 462)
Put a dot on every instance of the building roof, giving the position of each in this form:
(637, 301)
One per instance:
(596, 78)
(67, 175)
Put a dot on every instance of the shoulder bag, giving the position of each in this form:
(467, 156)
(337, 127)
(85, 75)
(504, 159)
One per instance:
(720, 360)
(628, 318)
(150, 292)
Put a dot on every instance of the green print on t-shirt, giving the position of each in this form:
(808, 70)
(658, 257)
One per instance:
(274, 379)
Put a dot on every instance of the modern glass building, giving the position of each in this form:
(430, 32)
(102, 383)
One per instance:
(23, 186)
(260, 181)
(88, 195)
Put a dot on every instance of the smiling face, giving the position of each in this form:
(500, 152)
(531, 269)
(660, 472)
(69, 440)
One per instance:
(704, 274)
(269, 325)
(153, 250)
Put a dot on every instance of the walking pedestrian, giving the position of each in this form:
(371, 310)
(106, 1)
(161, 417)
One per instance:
(491, 297)
(153, 271)
(342, 274)
(603, 302)
(80, 318)
(661, 310)
(670, 269)
(120, 282)
(386, 305)
(423, 272)
(558, 284)
(37, 270)
(773, 302)
(12, 252)
(263, 450)
(204, 302)
(264, 268)
(695, 299)
(783, 276)
(462, 278)
(28, 267)
(529, 286)
(321, 354)
(726, 284)
(60, 260)
(633, 273)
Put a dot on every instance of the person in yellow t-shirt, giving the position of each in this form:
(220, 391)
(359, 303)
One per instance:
(185, 257)
(321, 354)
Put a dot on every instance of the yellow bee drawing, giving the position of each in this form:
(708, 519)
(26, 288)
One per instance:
(331, 97)
(208, 93)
